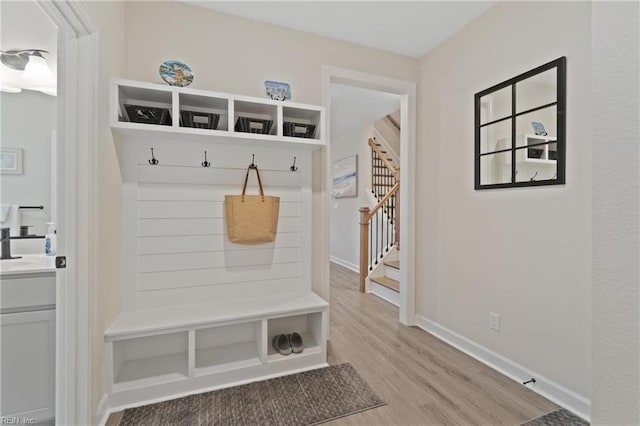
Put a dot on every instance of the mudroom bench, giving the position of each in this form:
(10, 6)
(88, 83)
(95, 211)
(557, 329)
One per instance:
(160, 353)
(199, 311)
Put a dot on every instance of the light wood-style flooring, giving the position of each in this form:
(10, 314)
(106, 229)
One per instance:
(423, 380)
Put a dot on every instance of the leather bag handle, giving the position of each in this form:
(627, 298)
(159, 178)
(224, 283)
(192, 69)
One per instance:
(246, 180)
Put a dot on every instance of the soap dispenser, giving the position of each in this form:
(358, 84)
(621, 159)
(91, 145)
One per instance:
(50, 240)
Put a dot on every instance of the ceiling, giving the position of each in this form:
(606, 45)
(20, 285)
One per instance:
(407, 28)
(353, 107)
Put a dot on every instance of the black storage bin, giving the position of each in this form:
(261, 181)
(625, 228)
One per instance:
(299, 130)
(535, 152)
(199, 120)
(148, 115)
(253, 125)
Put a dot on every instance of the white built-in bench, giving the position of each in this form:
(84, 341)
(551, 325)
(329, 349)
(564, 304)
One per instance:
(163, 353)
(199, 312)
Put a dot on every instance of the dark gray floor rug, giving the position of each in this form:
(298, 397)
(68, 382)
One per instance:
(307, 398)
(559, 417)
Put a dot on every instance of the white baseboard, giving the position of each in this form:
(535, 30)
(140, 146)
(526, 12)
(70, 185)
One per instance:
(554, 392)
(352, 266)
(103, 412)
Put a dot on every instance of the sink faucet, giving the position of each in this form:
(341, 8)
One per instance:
(5, 238)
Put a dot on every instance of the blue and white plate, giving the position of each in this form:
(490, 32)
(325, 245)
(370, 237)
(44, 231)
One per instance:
(176, 73)
(277, 91)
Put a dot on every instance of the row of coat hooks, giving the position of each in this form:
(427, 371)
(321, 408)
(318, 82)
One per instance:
(154, 162)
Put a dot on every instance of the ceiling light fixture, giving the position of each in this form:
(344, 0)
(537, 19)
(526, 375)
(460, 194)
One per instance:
(34, 72)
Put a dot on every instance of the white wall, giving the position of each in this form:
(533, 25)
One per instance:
(227, 54)
(616, 207)
(236, 55)
(345, 215)
(522, 253)
(28, 119)
(105, 291)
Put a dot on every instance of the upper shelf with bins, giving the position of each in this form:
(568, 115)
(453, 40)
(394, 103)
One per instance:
(199, 105)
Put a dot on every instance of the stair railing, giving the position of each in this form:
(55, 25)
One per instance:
(379, 227)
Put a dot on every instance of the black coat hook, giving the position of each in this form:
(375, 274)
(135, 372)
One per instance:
(205, 163)
(533, 177)
(293, 167)
(253, 164)
(153, 161)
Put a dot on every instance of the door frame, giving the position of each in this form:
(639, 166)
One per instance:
(407, 92)
(76, 212)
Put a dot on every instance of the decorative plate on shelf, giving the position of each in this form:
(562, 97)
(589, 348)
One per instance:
(277, 91)
(176, 73)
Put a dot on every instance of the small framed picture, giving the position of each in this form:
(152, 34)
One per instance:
(11, 161)
(538, 128)
(345, 177)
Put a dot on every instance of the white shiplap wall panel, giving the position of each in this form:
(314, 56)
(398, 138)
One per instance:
(218, 176)
(175, 246)
(207, 243)
(200, 226)
(178, 192)
(199, 209)
(231, 291)
(216, 276)
(182, 261)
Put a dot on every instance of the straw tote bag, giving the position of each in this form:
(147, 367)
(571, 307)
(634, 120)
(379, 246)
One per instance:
(252, 219)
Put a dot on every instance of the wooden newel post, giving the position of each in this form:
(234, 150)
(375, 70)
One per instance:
(364, 246)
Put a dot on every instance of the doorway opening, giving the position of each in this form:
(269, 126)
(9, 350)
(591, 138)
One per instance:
(356, 104)
(365, 173)
(29, 198)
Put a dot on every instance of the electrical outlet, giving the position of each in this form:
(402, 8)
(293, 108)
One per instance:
(494, 321)
(335, 205)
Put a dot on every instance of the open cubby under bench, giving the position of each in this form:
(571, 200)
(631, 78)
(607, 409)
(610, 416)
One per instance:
(162, 353)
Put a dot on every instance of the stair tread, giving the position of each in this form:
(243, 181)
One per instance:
(393, 263)
(390, 283)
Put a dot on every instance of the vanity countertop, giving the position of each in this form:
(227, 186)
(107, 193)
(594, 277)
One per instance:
(28, 264)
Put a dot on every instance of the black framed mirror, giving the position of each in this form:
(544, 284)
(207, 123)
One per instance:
(520, 129)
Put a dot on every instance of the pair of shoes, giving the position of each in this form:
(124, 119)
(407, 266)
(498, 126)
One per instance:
(287, 343)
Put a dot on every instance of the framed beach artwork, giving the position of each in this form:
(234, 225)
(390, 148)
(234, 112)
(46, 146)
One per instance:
(11, 161)
(345, 177)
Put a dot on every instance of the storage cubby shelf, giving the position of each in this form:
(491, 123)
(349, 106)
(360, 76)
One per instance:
(225, 358)
(191, 347)
(523, 155)
(228, 107)
(157, 369)
(311, 347)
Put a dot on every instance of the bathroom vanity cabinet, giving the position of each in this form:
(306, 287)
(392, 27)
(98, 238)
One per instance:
(27, 330)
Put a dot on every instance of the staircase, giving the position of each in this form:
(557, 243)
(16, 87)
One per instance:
(387, 285)
(380, 228)
(391, 277)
